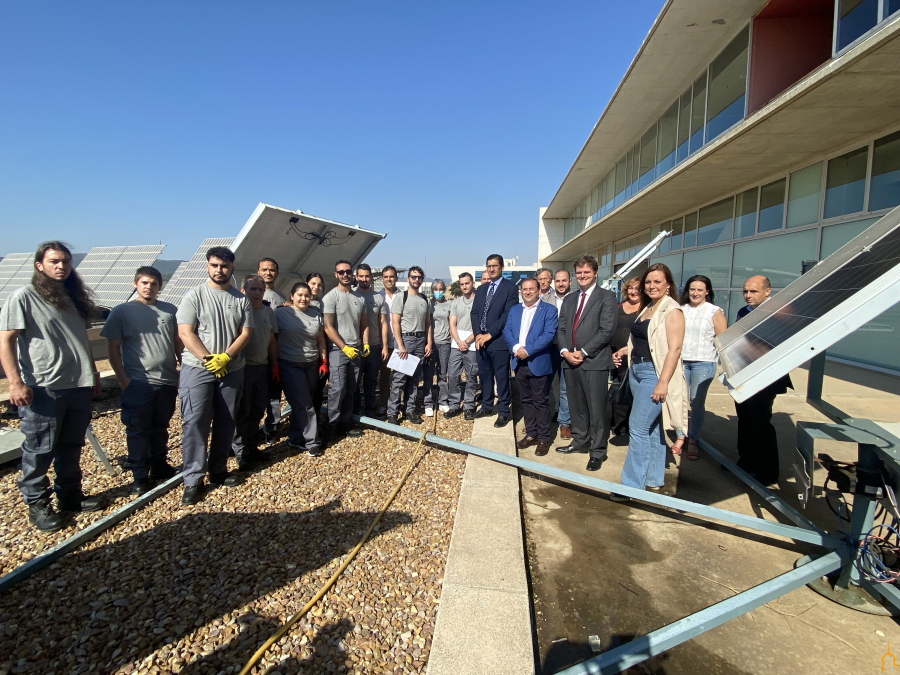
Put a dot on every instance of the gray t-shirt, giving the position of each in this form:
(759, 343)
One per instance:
(348, 309)
(440, 313)
(147, 334)
(297, 332)
(386, 316)
(274, 298)
(257, 350)
(374, 310)
(53, 347)
(412, 315)
(462, 310)
(218, 317)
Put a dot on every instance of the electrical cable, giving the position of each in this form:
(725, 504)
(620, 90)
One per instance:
(277, 635)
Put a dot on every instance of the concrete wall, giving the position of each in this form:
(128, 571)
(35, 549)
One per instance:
(551, 235)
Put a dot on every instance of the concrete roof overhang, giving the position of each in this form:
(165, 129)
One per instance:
(685, 37)
(847, 99)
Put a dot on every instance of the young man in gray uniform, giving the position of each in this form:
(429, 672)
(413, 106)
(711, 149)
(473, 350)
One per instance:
(261, 357)
(346, 325)
(214, 323)
(462, 352)
(47, 360)
(142, 342)
(267, 269)
(370, 364)
(389, 279)
(411, 322)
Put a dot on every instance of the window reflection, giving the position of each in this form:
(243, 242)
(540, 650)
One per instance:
(727, 87)
(845, 186)
(745, 213)
(690, 229)
(855, 18)
(648, 157)
(668, 131)
(621, 181)
(716, 222)
(805, 196)
(677, 234)
(884, 191)
(771, 206)
(698, 113)
(684, 124)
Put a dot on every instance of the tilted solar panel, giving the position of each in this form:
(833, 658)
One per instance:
(15, 271)
(191, 272)
(109, 271)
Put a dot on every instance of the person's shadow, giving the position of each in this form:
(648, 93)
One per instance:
(191, 578)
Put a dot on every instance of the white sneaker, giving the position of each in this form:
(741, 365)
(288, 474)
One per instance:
(429, 412)
(445, 408)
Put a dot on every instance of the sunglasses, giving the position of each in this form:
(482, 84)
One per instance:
(342, 272)
(415, 277)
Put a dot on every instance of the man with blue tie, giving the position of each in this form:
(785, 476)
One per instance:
(531, 329)
(493, 300)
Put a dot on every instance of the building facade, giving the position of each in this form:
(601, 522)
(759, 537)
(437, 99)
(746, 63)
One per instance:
(512, 271)
(763, 136)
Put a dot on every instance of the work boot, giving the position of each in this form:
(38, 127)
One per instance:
(140, 486)
(79, 504)
(192, 494)
(226, 479)
(43, 517)
(351, 430)
(162, 472)
(393, 419)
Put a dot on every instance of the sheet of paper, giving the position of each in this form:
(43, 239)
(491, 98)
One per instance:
(463, 335)
(406, 366)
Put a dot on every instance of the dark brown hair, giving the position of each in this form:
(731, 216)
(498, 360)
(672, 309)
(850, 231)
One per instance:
(686, 293)
(657, 267)
(148, 271)
(71, 291)
(587, 260)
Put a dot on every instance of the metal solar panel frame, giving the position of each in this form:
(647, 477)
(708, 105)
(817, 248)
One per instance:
(751, 364)
(16, 270)
(192, 272)
(109, 271)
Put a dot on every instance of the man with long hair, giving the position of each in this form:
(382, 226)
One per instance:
(45, 354)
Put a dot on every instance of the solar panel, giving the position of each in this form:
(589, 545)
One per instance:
(191, 272)
(109, 271)
(852, 286)
(15, 271)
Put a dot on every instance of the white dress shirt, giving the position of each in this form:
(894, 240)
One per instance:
(527, 318)
(587, 296)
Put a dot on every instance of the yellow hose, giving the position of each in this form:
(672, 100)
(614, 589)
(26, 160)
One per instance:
(334, 577)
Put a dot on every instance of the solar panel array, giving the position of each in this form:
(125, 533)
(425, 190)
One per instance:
(191, 272)
(15, 271)
(109, 271)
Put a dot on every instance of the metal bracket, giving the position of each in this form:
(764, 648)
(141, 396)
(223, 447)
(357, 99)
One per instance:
(100, 452)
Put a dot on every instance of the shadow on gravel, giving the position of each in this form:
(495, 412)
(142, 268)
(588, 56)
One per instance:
(107, 608)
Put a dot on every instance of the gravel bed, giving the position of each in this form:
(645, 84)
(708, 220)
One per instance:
(199, 589)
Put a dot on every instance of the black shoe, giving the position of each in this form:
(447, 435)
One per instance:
(140, 487)
(469, 415)
(226, 479)
(594, 463)
(501, 421)
(192, 494)
(453, 412)
(298, 446)
(415, 418)
(570, 449)
(162, 472)
(393, 419)
(255, 457)
(80, 504)
(352, 431)
(484, 413)
(43, 517)
(315, 452)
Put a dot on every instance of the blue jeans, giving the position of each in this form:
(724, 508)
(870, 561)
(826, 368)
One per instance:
(699, 375)
(645, 464)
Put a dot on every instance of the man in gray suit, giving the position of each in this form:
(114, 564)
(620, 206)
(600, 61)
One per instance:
(587, 321)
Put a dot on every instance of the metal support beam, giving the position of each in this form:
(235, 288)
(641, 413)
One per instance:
(100, 452)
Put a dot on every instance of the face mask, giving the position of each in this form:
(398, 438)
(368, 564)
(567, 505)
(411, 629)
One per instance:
(439, 295)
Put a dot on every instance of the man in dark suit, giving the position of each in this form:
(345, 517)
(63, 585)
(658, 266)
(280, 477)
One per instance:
(493, 300)
(530, 331)
(587, 321)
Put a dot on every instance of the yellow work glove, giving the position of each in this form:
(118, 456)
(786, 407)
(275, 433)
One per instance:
(222, 372)
(366, 350)
(217, 362)
(350, 352)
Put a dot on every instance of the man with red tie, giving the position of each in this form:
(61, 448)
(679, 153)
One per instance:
(587, 321)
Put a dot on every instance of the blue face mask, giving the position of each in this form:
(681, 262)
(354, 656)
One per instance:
(439, 295)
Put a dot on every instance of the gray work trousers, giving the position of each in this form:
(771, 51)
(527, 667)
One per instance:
(207, 403)
(147, 410)
(438, 367)
(460, 361)
(252, 406)
(54, 426)
(384, 379)
(299, 380)
(343, 381)
(400, 383)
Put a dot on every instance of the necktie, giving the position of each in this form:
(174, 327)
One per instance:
(487, 304)
(577, 317)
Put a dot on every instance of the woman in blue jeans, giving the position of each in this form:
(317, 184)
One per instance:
(702, 322)
(656, 376)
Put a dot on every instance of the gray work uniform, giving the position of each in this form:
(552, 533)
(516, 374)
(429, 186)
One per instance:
(273, 409)
(437, 365)
(460, 361)
(298, 359)
(206, 402)
(384, 373)
(371, 364)
(147, 334)
(274, 298)
(55, 361)
(414, 313)
(343, 373)
(255, 391)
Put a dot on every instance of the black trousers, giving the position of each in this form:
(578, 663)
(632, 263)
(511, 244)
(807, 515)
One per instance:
(586, 391)
(535, 402)
(757, 441)
(494, 364)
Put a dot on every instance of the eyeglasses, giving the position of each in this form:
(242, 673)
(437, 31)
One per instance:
(342, 272)
(415, 277)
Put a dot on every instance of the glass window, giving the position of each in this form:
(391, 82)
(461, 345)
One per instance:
(778, 258)
(609, 192)
(648, 157)
(666, 244)
(716, 222)
(845, 186)
(620, 180)
(698, 113)
(606, 255)
(735, 302)
(855, 17)
(771, 206)
(684, 124)
(835, 236)
(673, 262)
(874, 343)
(622, 249)
(884, 190)
(690, 229)
(727, 86)
(668, 130)
(890, 7)
(628, 174)
(714, 263)
(635, 169)
(745, 213)
(677, 231)
(804, 196)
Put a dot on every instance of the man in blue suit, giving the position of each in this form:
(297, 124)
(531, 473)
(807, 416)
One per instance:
(493, 300)
(530, 329)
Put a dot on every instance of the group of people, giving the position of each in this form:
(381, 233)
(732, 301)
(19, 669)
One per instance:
(240, 349)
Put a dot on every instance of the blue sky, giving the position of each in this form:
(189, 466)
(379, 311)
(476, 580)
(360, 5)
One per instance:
(445, 125)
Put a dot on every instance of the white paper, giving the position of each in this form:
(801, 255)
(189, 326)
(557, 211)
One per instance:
(406, 366)
(463, 335)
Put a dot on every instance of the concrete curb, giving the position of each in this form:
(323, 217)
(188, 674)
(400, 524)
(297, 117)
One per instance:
(484, 621)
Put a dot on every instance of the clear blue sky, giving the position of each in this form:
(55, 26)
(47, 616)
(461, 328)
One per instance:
(446, 125)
